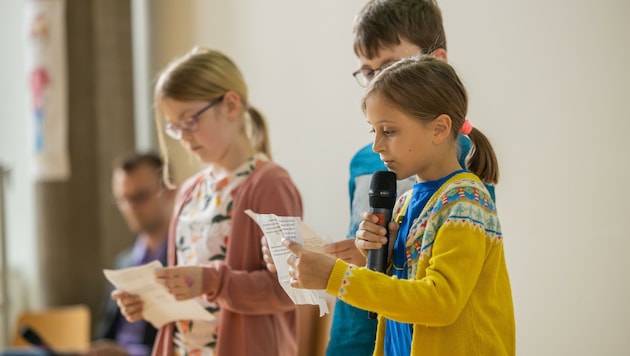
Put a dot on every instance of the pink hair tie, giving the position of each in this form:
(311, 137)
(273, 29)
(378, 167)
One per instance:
(466, 128)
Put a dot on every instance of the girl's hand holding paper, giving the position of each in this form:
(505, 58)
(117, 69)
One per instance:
(183, 282)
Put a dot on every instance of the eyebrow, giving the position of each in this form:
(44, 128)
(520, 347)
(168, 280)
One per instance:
(381, 122)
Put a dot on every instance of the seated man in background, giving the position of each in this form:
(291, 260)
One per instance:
(146, 204)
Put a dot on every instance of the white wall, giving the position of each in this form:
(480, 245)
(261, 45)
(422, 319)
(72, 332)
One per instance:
(547, 80)
(549, 84)
(297, 59)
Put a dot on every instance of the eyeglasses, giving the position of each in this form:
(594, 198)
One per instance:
(190, 124)
(364, 76)
(139, 198)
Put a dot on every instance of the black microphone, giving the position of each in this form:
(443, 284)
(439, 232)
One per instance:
(35, 339)
(382, 197)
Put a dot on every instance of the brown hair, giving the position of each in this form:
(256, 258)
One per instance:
(384, 23)
(425, 87)
(206, 74)
(134, 160)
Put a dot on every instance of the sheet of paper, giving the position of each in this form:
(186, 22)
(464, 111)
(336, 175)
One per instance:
(160, 307)
(275, 229)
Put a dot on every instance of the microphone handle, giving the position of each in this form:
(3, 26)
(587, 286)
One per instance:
(377, 259)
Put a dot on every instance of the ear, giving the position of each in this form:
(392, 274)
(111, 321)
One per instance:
(232, 104)
(441, 128)
(440, 53)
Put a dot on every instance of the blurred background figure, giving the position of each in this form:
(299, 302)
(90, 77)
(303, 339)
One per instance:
(146, 205)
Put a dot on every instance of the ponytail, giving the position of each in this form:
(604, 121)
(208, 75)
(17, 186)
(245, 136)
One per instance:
(482, 161)
(257, 131)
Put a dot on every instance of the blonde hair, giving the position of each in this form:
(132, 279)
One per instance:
(206, 74)
(424, 87)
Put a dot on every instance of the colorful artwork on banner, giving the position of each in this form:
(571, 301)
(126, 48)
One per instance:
(46, 76)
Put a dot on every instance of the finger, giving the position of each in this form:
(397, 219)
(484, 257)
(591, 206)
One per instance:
(118, 294)
(338, 247)
(129, 301)
(178, 292)
(165, 282)
(330, 249)
(177, 285)
(133, 317)
(333, 247)
(294, 247)
(132, 313)
(270, 264)
(393, 228)
(365, 244)
(295, 283)
(182, 296)
(263, 242)
(292, 259)
(167, 273)
(167, 279)
(267, 255)
(132, 309)
(372, 227)
(160, 273)
(271, 267)
(370, 236)
(268, 259)
(366, 216)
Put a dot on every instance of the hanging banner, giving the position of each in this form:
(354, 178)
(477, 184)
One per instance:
(47, 83)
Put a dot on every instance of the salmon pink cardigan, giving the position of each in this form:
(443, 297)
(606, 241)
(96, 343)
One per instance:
(257, 317)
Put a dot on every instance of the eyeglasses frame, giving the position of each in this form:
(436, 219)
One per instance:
(175, 130)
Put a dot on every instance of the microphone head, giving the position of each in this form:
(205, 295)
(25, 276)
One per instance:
(382, 192)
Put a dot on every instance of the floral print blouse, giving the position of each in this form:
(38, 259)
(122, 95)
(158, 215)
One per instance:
(203, 230)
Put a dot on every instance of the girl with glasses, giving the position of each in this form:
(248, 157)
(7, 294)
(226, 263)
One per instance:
(214, 247)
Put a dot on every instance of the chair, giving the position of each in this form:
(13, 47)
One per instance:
(63, 329)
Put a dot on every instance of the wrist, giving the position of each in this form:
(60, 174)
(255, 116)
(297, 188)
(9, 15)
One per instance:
(336, 276)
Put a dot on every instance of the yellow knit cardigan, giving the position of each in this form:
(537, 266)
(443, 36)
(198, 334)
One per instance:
(460, 301)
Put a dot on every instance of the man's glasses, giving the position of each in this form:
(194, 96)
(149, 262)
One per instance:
(139, 198)
(364, 76)
(190, 124)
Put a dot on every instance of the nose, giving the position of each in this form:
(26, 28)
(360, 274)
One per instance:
(377, 143)
(185, 135)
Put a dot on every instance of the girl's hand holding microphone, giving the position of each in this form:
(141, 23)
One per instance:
(371, 235)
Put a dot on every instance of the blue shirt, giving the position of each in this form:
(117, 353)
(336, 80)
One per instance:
(397, 334)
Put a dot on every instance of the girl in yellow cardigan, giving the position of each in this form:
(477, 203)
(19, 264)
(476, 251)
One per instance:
(447, 291)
